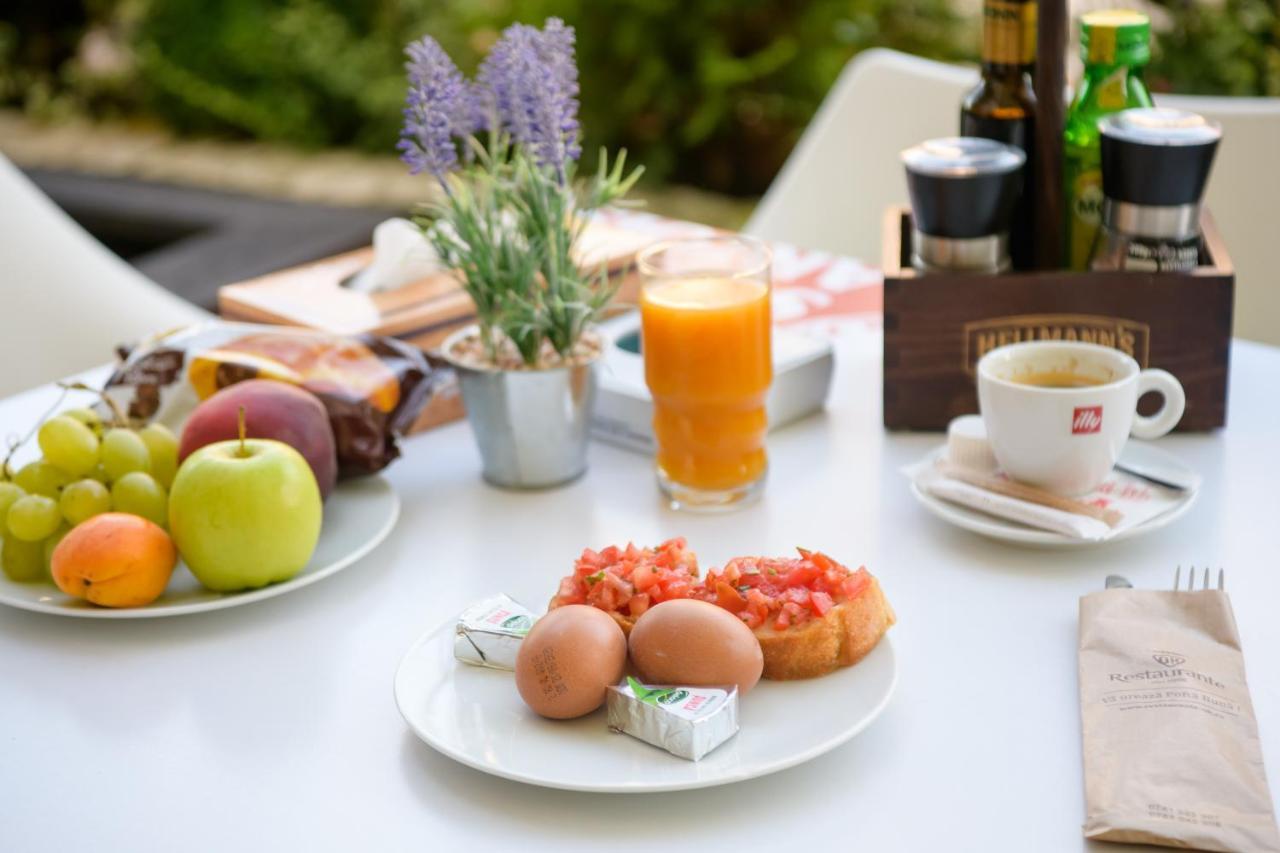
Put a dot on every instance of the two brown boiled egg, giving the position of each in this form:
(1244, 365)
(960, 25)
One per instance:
(575, 653)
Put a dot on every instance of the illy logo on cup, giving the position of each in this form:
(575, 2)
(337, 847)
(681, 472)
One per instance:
(1086, 419)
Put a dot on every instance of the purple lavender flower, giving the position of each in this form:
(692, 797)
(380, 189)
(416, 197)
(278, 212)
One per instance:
(436, 107)
(533, 78)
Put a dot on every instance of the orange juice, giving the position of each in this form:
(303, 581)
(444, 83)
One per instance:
(708, 365)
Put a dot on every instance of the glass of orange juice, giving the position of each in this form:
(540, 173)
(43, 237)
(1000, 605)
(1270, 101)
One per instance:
(705, 335)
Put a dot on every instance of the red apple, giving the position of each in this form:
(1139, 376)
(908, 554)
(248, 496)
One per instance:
(274, 410)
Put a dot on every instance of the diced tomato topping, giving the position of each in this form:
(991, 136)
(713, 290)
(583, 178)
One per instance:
(796, 595)
(853, 585)
(779, 591)
(569, 592)
(613, 577)
(802, 575)
(675, 589)
(785, 592)
(644, 576)
(757, 609)
(610, 592)
(729, 598)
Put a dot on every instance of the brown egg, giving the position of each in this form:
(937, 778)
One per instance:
(697, 644)
(569, 660)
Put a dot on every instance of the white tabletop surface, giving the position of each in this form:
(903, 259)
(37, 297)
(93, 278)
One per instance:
(272, 727)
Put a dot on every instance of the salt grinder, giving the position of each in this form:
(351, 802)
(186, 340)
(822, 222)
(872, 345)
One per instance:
(1155, 164)
(962, 190)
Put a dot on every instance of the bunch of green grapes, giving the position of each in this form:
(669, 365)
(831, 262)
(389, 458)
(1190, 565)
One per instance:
(88, 468)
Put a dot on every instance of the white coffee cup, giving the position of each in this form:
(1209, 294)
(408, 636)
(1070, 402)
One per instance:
(1067, 439)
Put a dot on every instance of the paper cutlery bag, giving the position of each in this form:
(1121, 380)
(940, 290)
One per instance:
(1171, 750)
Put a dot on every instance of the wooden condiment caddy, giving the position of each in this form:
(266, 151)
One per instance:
(937, 326)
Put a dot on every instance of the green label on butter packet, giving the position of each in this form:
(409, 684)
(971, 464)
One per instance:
(687, 702)
(657, 695)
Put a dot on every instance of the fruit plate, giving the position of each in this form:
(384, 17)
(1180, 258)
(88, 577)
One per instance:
(358, 515)
(474, 716)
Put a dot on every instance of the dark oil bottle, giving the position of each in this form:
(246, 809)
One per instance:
(1003, 104)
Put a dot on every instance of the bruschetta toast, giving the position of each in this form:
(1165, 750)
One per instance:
(811, 614)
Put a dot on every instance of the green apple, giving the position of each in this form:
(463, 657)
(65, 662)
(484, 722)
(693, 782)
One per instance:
(245, 513)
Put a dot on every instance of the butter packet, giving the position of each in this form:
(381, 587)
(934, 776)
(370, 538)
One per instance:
(489, 632)
(687, 722)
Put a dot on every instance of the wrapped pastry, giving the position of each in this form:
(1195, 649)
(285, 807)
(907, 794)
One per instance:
(372, 387)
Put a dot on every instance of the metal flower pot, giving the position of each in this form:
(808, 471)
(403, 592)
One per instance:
(531, 425)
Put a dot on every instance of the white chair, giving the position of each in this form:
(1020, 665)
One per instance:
(66, 301)
(832, 192)
(833, 189)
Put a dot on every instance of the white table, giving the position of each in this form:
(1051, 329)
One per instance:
(273, 727)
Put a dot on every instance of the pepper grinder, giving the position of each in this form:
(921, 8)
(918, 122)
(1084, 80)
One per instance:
(962, 190)
(1155, 164)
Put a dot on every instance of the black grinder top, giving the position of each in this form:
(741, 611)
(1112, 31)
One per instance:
(963, 187)
(1157, 157)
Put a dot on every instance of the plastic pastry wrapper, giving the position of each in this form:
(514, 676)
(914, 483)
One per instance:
(372, 387)
(687, 722)
(489, 632)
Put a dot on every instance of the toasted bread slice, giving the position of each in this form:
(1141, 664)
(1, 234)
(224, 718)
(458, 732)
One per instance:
(844, 636)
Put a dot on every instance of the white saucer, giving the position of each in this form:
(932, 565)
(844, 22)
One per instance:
(357, 516)
(1004, 530)
(476, 717)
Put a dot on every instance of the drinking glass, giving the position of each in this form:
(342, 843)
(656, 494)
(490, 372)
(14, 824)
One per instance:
(705, 335)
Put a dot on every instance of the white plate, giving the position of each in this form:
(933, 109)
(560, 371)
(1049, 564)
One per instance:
(994, 527)
(357, 516)
(475, 716)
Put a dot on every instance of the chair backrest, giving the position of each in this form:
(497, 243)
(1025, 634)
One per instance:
(832, 192)
(833, 189)
(66, 300)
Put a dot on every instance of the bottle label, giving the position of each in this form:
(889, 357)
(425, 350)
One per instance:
(1084, 215)
(1146, 255)
(1008, 32)
(1113, 94)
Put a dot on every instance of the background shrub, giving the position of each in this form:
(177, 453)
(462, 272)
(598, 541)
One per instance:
(712, 93)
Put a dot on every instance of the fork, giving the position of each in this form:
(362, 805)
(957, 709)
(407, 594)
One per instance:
(1191, 580)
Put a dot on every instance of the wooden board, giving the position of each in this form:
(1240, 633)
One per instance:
(423, 312)
(937, 326)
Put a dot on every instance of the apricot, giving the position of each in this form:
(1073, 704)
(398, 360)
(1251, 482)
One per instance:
(115, 560)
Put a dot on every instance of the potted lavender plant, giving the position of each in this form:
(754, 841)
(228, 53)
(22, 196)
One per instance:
(508, 217)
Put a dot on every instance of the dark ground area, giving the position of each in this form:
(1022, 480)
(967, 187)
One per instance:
(193, 241)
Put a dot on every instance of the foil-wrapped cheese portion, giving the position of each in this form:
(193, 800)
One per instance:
(489, 632)
(685, 721)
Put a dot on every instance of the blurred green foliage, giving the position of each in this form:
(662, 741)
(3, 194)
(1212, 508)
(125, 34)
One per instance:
(712, 93)
(1227, 48)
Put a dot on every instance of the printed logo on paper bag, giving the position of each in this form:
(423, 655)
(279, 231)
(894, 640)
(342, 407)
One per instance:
(1086, 419)
(1169, 659)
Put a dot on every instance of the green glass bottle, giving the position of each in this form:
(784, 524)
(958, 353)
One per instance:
(1115, 46)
